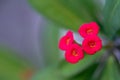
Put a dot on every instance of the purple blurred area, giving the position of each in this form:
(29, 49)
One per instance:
(20, 26)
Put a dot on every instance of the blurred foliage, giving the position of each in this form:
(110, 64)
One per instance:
(65, 70)
(71, 14)
(68, 13)
(49, 42)
(85, 74)
(11, 66)
(111, 70)
(112, 17)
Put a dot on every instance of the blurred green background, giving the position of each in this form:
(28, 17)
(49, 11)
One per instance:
(30, 31)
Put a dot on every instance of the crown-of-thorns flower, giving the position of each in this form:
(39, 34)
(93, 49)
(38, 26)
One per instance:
(88, 29)
(66, 40)
(91, 44)
(74, 53)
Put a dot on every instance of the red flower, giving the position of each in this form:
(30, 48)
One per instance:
(74, 53)
(92, 44)
(66, 40)
(88, 29)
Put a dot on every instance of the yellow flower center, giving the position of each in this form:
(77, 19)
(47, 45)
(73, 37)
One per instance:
(74, 52)
(92, 44)
(89, 31)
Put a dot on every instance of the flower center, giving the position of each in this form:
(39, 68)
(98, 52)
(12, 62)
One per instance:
(68, 41)
(92, 44)
(74, 52)
(89, 31)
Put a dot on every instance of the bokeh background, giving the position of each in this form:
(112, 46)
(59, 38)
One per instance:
(30, 31)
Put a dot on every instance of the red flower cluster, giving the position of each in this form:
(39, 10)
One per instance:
(91, 43)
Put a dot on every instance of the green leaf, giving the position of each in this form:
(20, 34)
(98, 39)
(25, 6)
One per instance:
(48, 74)
(67, 13)
(84, 9)
(11, 66)
(111, 71)
(50, 43)
(112, 17)
(69, 70)
(86, 74)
